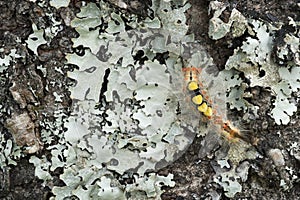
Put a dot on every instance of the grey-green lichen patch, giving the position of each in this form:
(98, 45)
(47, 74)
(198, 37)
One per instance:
(41, 167)
(148, 122)
(41, 35)
(90, 75)
(151, 184)
(90, 184)
(230, 160)
(254, 59)
(230, 165)
(59, 3)
(236, 25)
(289, 83)
(283, 109)
(11, 148)
(125, 116)
(129, 114)
(231, 179)
(287, 50)
(9, 152)
(294, 150)
(172, 20)
(36, 39)
(7, 59)
(89, 16)
(229, 182)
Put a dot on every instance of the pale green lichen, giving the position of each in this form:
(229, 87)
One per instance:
(90, 76)
(256, 53)
(41, 167)
(254, 59)
(289, 83)
(35, 39)
(288, 50)
(137, 128)
(148, 90)
(294, 150)
(291, 77)
(133, 125)
(9, 152)
(236, 25)
(59, 3)
(151, 184)
(229, 182)
(7, 59)
(140, 102)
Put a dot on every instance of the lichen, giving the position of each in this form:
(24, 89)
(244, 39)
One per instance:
(229, 182)
(236, 25)
(59, 3)
(254, 59)
(9, 152)
(130, 114)
(132, 125)
(35, 39)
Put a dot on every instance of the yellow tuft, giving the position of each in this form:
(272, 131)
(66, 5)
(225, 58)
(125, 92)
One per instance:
(193, 85)
(197, 99)
(208, 112)
(203, 107)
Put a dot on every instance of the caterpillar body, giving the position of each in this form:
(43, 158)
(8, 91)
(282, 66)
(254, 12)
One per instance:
(205, 105)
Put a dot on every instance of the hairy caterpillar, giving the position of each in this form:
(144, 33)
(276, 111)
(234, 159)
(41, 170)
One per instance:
(205, 105)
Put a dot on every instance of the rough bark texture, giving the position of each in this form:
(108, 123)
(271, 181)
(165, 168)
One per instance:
(19, 182)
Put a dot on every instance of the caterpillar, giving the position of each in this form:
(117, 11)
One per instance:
(197, 95)
(204, 104)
